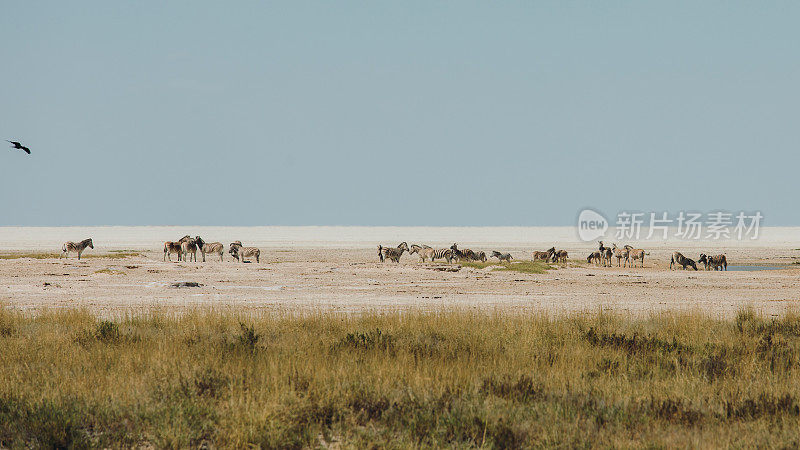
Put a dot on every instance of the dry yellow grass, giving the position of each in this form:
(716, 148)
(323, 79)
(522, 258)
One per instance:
(453, 378)
(113, 254)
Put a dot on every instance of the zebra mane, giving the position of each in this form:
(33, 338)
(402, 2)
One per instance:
(86, 241)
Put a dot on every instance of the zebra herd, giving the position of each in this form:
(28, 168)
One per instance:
(715, 262)
(186, 248)
(625, 256)
(426, 253)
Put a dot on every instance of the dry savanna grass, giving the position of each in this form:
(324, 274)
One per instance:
(453, 378)
(113, 254)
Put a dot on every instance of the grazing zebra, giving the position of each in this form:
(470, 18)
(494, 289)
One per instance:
(394, 254)
(718, 262)
(560, 256)
(620, 254)
(502, 256)
(634, 254)
(78, 248)
(595, 257)
(239, 252)
(544, 256)
(679, 259)
(462, 254)
(212, 248)
(423, 251)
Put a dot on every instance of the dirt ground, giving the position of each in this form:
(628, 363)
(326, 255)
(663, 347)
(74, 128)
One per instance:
(352, 280)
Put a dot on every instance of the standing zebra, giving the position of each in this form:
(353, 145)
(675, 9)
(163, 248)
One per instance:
(424, 252)
(189, 247)
(394, 254)
(544, 256)
(443, 253)
(212, 248)
(170, 248)
(621, 254)
(73, 247)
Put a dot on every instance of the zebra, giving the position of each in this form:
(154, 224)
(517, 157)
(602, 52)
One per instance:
(596, 257)
(239, 252)
(718, 262)
(189, 247)
(78, 248)
(544, 256)
(213, 248)
(479, 256)
(560, 256)
(423, 251)
(394, 254)
(620, 254)
(679, 259)
(502, 256)
(462, 254)
(634, 254)
(605, 255)
(170, 248)
(443, 253)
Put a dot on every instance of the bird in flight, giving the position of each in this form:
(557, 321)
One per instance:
(16, 144)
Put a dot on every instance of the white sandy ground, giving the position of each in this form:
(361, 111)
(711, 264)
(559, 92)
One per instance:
(341, 272)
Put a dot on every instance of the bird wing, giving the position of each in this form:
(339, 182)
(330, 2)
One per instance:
(27, 150)
(16, 144)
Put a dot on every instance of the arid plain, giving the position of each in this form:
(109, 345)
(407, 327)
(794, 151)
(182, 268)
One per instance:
(116, 277)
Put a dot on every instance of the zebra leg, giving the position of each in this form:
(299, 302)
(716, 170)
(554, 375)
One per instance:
(79, 255)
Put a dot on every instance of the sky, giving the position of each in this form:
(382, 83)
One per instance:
(396, 113)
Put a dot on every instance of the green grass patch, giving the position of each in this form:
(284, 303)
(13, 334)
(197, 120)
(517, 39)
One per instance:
(534, 267)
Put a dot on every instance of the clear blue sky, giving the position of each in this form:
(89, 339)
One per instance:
(396, 113)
